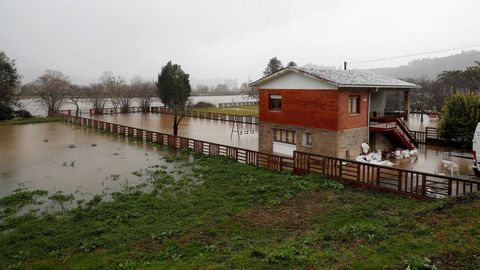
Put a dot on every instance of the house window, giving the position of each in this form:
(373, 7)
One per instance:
(307, 139)
(284, 136)
(275, 103)
(354, 105)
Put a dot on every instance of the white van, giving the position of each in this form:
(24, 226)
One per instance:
(476, 151)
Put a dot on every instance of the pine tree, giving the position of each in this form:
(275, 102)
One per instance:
(173, 88)
(292, 64)
(273, 66)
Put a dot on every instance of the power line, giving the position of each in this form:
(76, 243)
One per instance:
(414, 54)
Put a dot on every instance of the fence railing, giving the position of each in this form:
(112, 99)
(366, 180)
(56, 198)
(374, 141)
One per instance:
(159, 109)
(237, 104)
(413, 183)
(212, 116)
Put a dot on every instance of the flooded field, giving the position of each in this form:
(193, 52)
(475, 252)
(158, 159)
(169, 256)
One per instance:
(61, 158)
(429, 159)
(415, 122)
(84, 162)
(35, 107)
(201, 129)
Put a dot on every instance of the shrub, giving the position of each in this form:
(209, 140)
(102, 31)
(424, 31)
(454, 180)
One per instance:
(23, 114)
(203, 104)
(6, 112)
(460, 115)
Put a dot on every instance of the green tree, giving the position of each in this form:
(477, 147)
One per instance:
(292, 64)
(9, 80)
(460, 115)
(173, 88)
(273, 66)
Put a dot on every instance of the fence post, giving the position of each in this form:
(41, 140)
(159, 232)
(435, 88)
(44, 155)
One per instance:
(399, 181)
(424, 185)
(450, 186)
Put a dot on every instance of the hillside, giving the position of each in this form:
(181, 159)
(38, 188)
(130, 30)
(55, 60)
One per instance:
(431, 67)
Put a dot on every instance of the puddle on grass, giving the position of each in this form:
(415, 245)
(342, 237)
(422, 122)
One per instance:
(77, 164)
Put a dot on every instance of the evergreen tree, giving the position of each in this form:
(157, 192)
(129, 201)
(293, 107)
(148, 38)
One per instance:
(273, 66)
(173, 88)
(292, 64)
(460, 115)
(9, 80)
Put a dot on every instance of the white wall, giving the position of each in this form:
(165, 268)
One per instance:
(284, 148)
(294, 80)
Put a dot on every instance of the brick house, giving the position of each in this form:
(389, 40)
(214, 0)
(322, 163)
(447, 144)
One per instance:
(327, 112)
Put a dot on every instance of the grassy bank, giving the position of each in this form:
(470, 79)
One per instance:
(33, 120)
(241, 110)
(226, 215)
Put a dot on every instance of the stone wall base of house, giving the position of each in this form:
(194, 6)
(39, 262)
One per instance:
(378, 142)
(336, 143)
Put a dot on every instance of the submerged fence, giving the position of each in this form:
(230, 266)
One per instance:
(247, 119)
(413, 183)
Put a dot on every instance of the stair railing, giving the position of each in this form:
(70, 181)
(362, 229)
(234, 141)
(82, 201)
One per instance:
(406, 131)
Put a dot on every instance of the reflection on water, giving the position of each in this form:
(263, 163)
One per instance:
(201, 129)
(75, 160)
(35, 107)
(415, 122)
(430, 159)
(84, 162)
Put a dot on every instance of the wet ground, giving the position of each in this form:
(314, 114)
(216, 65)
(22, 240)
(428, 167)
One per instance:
(84, 162)
(429, 158)
(75, 160)
(244, 135)
(415, 122)
(35, 107)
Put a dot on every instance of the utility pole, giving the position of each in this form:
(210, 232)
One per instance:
(344, 65)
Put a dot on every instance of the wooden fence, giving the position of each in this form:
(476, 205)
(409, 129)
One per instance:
(412, 183)
(429, 136)
(237, 104)
(213, 116)
(158, 109)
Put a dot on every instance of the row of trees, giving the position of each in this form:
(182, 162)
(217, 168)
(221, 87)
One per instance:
(172, 87)
(54, 89)
(433, 92)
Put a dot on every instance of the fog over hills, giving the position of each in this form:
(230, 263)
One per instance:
(431, 67)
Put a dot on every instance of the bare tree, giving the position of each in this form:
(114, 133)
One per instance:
(126, 96)
(113, 87)
(75, 95)
(144, 91)
(253, 92)
(52, 88)
(97, 96)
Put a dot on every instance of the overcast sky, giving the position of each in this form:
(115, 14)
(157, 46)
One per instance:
(222, 38)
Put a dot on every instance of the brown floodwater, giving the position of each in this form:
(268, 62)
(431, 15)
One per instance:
(196, 128)
(75, 160)
(84, 162)
(415, 122)
(428, 160)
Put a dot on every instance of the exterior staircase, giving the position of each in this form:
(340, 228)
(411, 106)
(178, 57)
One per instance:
(395, 130)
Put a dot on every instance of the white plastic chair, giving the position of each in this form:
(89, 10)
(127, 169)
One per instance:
(450, 167)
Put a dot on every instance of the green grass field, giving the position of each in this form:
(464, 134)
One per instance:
(226, 215)
(242, 110)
